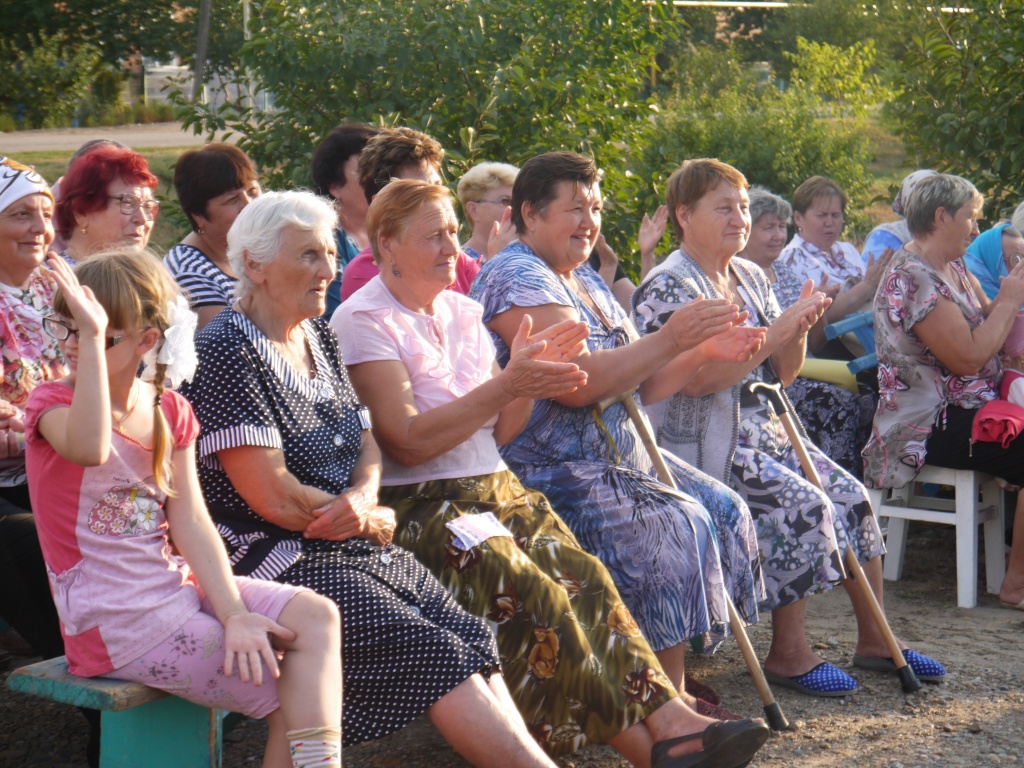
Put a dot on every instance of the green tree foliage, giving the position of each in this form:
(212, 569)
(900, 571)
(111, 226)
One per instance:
(490, 81)
(723, 109)
(841, 76)
(120, 29)
(46, 82)
(840, 23)
(84, 44)
(962, 103)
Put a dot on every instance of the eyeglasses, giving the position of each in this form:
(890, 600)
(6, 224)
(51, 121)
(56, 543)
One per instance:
(130, 203)
(55, 329)
(504, 202)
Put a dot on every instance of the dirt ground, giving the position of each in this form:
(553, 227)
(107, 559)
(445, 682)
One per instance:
(975, 719)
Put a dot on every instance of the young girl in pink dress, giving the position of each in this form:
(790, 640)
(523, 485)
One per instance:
(111, 467)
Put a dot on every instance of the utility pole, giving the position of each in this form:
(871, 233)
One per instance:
(202, 44)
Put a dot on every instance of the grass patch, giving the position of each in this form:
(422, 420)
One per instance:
(886, 170)
(168, 231)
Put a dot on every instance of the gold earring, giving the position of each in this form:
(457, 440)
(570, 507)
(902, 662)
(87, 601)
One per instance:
(84, 229)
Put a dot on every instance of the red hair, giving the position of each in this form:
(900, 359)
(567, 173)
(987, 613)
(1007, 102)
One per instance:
(84, 187)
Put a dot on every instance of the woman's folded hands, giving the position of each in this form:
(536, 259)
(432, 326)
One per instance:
(353, 513)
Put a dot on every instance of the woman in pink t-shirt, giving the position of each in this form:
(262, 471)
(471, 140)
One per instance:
(113, 482)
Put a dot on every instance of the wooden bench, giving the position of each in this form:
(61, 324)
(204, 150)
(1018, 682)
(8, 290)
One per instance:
(140, 727)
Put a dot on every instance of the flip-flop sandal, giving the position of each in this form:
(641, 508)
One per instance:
(928, 670)
(1012, 606)
(824, 680)
(726, 745)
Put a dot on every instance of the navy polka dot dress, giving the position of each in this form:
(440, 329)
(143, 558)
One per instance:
(405, 642)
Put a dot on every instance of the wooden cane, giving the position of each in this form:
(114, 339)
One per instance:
(773, 712)
(906, 674)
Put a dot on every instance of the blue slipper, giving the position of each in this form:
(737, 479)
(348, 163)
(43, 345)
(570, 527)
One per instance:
(824, 680)
(928, 670)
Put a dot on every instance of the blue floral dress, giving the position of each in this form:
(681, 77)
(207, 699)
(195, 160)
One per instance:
(803, 531)
(674, 555)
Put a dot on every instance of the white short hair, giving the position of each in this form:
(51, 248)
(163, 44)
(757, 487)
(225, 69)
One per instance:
(1017, 220)
(257, 231)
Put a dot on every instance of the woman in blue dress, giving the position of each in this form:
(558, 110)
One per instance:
(674, 555)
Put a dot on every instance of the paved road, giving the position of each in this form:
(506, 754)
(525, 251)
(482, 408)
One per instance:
(137, 137)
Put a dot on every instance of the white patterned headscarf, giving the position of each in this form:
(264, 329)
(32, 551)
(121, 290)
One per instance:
(17, 181)
(899, 205)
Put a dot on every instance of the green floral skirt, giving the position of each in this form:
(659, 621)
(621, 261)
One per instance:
(571, 653)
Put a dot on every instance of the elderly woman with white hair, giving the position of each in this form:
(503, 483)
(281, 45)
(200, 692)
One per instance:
(485, 193)
(291, 476)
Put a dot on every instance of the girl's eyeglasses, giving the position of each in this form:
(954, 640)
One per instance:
(55, 329)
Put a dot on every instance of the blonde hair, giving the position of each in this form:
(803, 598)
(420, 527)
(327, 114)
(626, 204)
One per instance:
(136, 291)
(481, 179)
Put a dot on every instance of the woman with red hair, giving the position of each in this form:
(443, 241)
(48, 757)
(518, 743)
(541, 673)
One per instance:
(106, 200)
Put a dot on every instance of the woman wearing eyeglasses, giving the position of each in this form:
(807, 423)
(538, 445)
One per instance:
(485, 193)
(106, 200)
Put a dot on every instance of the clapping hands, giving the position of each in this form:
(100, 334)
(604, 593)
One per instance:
(539, 366)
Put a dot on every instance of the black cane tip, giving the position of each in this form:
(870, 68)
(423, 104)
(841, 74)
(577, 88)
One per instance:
(776, 720)
(908, 679)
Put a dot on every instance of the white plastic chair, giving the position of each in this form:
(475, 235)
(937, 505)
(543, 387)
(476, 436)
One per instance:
(979, 500)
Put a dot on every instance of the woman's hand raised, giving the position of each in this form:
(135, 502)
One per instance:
(538, 368)
(878, 268)
(502, 233)
(1011, 289)
(801, 316)
(86, 311)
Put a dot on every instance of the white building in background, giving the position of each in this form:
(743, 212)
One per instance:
(158, 78)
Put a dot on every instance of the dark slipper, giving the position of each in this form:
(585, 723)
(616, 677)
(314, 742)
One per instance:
(725, 745)
(928, 670)
(701, 691)
(824, 680)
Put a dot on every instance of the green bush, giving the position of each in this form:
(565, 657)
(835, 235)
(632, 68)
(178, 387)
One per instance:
(961, 107)
(46, 83)
(103, 105)
(722, 109)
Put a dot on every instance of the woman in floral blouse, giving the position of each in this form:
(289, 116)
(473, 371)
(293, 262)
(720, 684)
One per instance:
(816, 253)
(938, 338)
(27, 357)
(711, 414)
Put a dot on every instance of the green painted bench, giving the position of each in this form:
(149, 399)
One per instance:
(140, 727)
